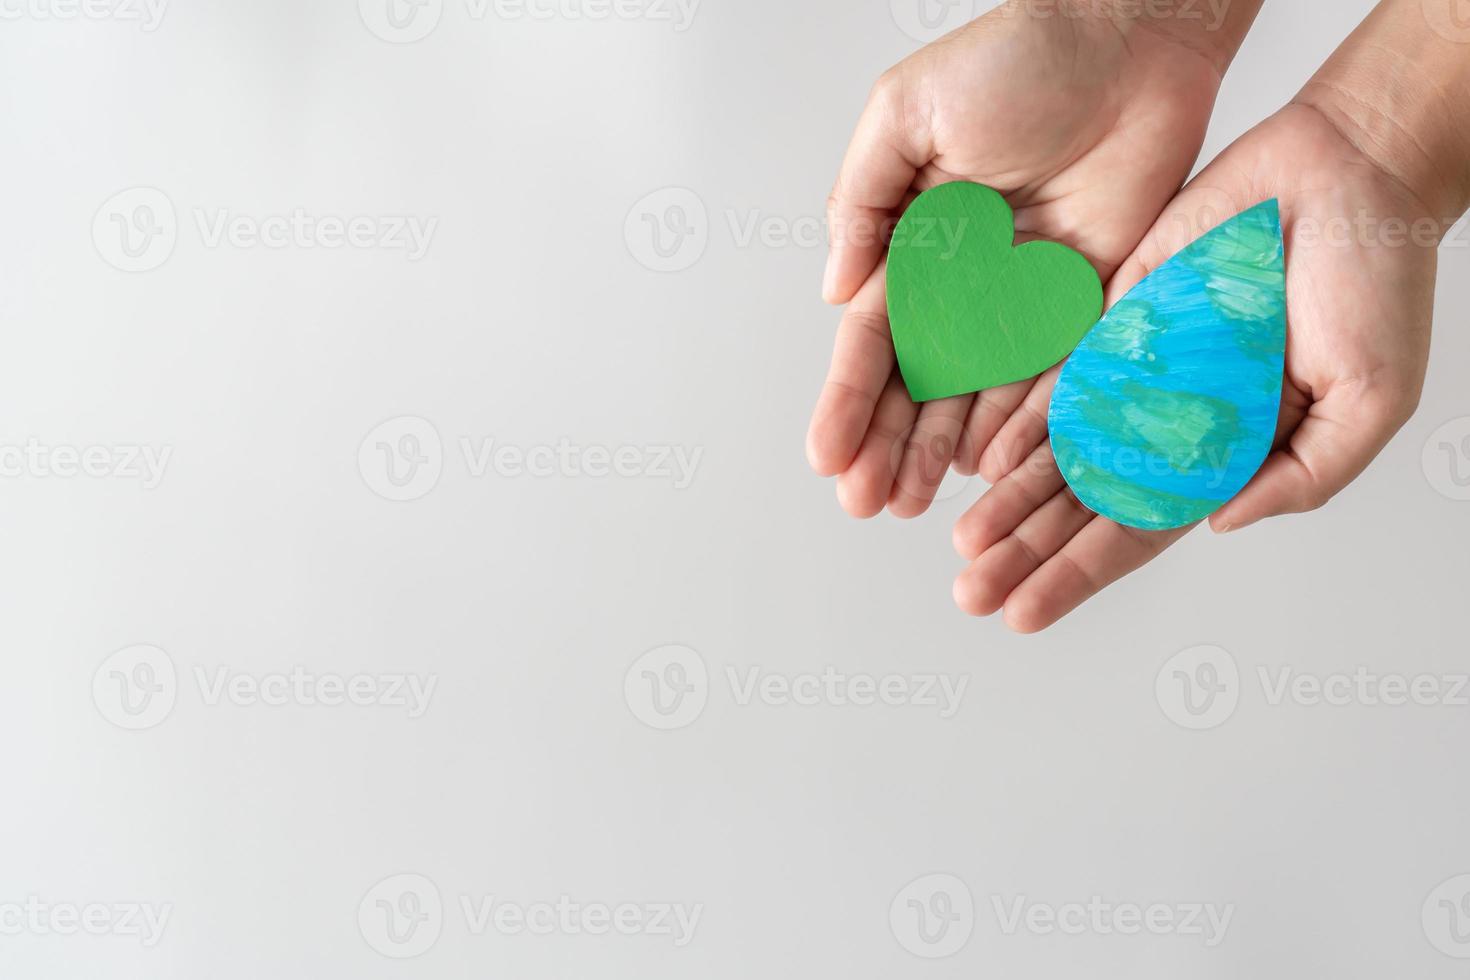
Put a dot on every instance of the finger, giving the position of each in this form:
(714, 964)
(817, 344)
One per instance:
(876, 173)
(927, 453)
(1004, 506)
(1339, 437)
(866, 485)
(1022, 432)
(862, 361)
(981, 589)
(989, 413)
(1099, 555)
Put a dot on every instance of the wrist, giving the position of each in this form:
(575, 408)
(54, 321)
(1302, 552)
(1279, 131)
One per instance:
(1399, 90)
(1212, 29)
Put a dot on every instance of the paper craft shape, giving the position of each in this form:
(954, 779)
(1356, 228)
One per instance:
(971, 310)
(1168, 406)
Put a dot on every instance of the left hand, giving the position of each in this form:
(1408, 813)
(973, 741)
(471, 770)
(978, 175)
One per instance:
(1089, 162)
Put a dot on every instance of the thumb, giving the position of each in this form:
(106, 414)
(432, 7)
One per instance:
(876, 174)
(1336, 440)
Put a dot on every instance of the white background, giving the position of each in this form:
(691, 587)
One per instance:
(537, 769)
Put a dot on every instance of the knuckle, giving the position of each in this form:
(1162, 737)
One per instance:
(1405, 407)
(1388, 399)
(1314, 499)
(886, 99)
(1390, 406)
(887, 86)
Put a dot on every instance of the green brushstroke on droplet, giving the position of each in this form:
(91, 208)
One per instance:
(1129, 332)
(1171, 425)
(1140, 506)
(1244, 273)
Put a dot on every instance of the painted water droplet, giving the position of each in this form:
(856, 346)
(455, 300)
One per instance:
(1168, 406)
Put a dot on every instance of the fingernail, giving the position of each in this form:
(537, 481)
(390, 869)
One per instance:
(829, 278)
(1232, 526)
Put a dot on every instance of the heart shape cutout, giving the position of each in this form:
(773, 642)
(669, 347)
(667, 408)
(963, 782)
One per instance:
(971, 310)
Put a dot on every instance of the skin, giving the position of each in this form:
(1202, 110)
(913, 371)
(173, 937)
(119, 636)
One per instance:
(1370, 139)
(1359, 312)
(1090, 161)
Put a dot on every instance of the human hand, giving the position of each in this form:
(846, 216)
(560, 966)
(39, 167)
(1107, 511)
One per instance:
(1087, 125)
(1360, 268)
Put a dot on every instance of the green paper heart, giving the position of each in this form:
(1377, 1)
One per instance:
(969, 309)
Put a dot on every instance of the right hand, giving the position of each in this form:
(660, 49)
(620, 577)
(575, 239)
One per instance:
(1360, 298)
